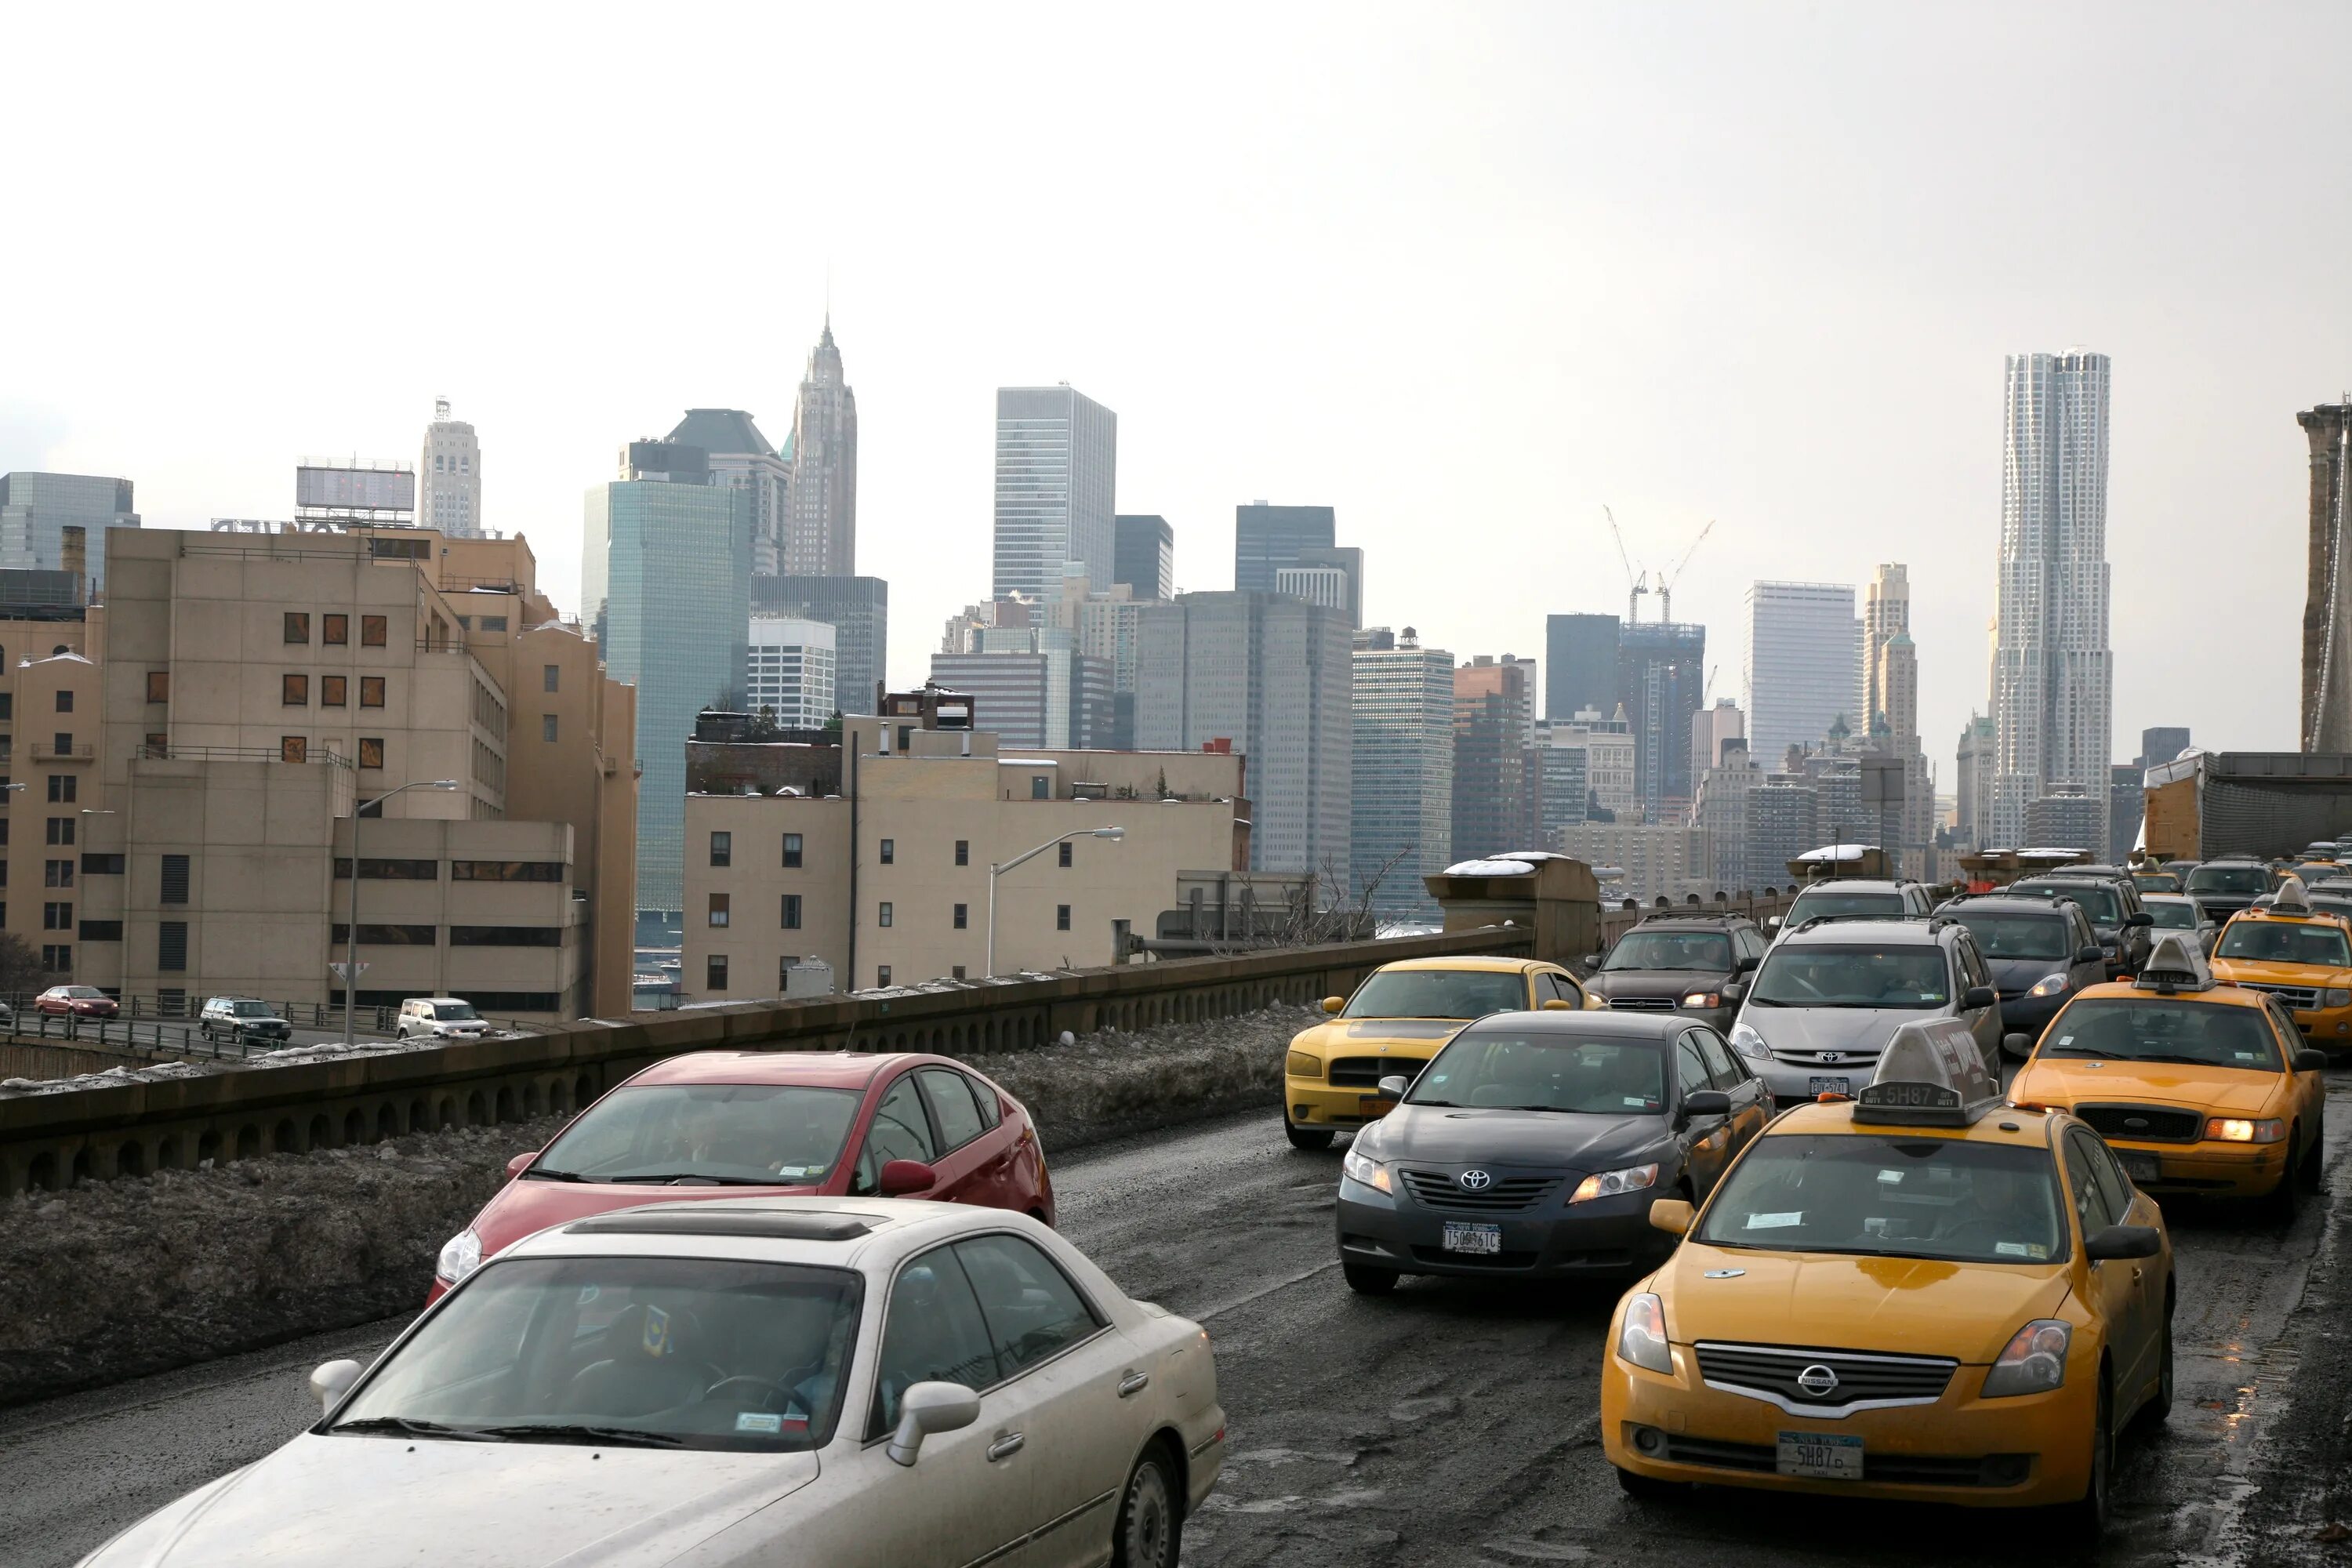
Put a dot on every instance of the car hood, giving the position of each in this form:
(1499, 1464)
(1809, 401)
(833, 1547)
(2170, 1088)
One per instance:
(2265, 971)
(377, 1502)
(1912, 1306)
(2067, 1083)
(1413, 1134)
(1365, 1037)
(1865, 1029)
(1674, 983)
(524, 1207)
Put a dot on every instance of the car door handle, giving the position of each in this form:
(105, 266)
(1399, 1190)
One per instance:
(1134, 1382)
(2135, 1275)
(1006, 1447)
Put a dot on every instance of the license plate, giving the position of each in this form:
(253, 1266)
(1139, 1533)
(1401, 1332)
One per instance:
(1373, 1105)
(1464, 1237)
(1820, 1085)
(2141, 1167)
(1823, 1456)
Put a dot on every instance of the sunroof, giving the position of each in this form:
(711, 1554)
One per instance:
(776, 1224)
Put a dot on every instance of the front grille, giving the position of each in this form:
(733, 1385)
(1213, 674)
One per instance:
(1888, 1469)
(1511, 1194)
(2158, 1124)
(2298, 998)
(1642, 1003)
(1366, 1072)
(1772, 1372)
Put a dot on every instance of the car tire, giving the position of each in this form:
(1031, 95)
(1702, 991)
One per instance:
(2159, 1404)
(1306, 1137)
(2285, 1201)
(1365, 1280)
(1151, 1527)
(2086, 1517)
(1649, 1489)
(2311, 1171)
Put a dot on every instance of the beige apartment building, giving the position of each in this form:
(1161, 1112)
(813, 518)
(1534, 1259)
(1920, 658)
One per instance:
(253, 691)
(873, 856)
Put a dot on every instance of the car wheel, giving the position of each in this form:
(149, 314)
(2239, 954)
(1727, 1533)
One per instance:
(2086, 1518)
(2159, 1407)
(2285, 1200)
(2312, 1171)
(1369, 1281)
(1306, 1137)
(1151, 1527)
(1649, 1489)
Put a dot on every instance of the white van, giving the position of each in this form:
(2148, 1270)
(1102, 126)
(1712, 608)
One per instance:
(440, 1017)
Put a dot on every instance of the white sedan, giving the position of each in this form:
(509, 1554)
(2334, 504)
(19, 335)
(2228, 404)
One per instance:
(769, 1381)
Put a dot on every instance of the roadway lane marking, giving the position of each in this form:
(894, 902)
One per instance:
(1239, 1301)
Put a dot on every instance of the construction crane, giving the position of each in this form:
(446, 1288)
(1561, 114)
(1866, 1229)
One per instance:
(1636, 584)
(1666, 581)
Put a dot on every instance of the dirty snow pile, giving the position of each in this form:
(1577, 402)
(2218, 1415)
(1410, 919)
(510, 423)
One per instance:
(113, 1078)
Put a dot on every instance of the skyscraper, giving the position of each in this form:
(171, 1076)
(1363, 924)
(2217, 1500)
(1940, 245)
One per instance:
(1661, 680)
(858, 609)
(1403, 792)
(1972, 809)
(1337, 569)
(666, 574)
(1143, 556)
(741, 459)
(790, 671)
(1498, 778)
(450, 475)
(1583, 653)
(2327, 597)
(1056, 472)
(2162, 744)
(1710, 728)
(1885, 614)
(1268, 537)
(1799, 666)
(36, 508)
(2053, 675)
(820, 531)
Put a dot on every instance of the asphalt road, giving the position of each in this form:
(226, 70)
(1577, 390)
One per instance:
(1449, 1424)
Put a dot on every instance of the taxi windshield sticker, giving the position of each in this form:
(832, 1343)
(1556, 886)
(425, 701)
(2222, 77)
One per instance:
(2021, 1249)
(1776, 1221)
(656, 1332)
(1891, 1178)
(757, 1421)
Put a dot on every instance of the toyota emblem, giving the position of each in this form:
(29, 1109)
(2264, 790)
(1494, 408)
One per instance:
(1832, 1055)
(1474, 1181)
(1818, 1380)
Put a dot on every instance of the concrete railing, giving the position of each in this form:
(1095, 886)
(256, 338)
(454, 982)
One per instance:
(47, 1142)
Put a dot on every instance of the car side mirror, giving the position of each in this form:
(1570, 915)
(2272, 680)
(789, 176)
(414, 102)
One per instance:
(519, 1163)
(1705, 1102)
(2092, 954)
(1749, 964)
(1734, 992)
(1393, 1087)
(2141, 918)
(900, 1177)
(1592, 960)
(332, 1380)
(2022, 1045)
(2122, 1241)
(1554, 1005)
(2309, 1060)
(1977, 996)
(1772, 923)
(929, 1408)
(1671, 1215)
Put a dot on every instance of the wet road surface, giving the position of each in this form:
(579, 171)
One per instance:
(1452, 1423)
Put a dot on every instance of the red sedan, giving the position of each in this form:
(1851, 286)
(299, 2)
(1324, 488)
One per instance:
(715, 1124)
(89, 1001)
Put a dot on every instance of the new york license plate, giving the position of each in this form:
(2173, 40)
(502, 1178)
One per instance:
(1820, 1085)
(1823, 1455)
(1461, 1236)
(2141, 1167)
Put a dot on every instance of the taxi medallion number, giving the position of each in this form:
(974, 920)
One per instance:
(1464, 1235)
(1823, 1455)
(1817, 1085)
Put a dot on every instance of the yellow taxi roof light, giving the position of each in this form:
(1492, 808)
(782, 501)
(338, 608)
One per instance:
(1932, 1074)
(2174, 965)
(2292, 897)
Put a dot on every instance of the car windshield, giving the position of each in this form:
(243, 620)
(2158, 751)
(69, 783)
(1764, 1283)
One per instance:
(79, 992)
(1908, 978)
(765, 1133)
(454, 1011)
(2156, 882)
(2173, 917)
(1812, 906)
(1892, 1198)
(2229, 880)
(2166, 1029)
(2286, 941)
(2100, 900)
(248, 1009)
(2018, 935)
(1438, 994)
(1704, 951)
(684, 1352)
(1595, 1077)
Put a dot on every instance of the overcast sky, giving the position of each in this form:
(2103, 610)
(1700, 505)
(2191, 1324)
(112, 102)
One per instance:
(1466, 274)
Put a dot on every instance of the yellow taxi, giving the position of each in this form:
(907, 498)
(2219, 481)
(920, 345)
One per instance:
(2200, 1086)
(2298, 955)
(1394, 1023)
(1921, 1294)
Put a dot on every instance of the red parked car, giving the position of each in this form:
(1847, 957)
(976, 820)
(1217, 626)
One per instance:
(86, 1000)
(726, 1124)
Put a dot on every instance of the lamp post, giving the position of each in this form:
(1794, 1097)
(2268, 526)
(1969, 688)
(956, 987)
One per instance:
(1113, 833)
(351, 930)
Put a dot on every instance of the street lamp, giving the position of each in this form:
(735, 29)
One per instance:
(1113, 833)
(351, 932)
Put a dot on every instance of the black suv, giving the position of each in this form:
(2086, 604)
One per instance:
(1682, 963)
(2125, 931)
(2228, 884)
(2040, 950)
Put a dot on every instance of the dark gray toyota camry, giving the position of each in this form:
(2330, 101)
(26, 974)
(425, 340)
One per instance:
(1532, 1145)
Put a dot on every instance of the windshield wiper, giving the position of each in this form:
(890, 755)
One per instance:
(695, 1178)
(545, 1175)
(616, 1436)
(1442, 1104)
(2092, 1051)
(410, 1427)
(1769, 1002)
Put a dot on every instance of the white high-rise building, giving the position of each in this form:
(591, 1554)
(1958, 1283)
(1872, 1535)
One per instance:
(2053, 672)
(450, 475)
(1799, 668)
(790, 671)
(820, 532)
(1885, 614)
(1056, 468)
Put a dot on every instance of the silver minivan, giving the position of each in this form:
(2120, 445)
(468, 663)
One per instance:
(1832, 991)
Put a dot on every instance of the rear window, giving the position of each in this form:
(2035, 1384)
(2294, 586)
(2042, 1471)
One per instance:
(2018, 935)
(2099, 899)
(1812, 906)
(1438, 994)
(2173, 917)
(2229, 880)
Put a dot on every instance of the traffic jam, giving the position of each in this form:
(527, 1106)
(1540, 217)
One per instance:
(776, 1308)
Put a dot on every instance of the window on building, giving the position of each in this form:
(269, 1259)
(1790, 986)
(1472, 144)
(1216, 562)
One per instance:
(882, 975)
(1061, 917)
(372, 869)
(8, 704)
(57, 917)
(298, 626)
(963, 851)
(334, 631)
(1066, 847)
(889, 851)
(57, 960)
(791, 911)
(372, 631)
(56, 873)
(61, 743)
(91, 866)
(548, 675)
(371, 691)
(962, 916)
(506, 936)
(158, 744)
(1040, 788)
(714, 971)
(65, 701)
(61, 830)
(389, 936)
(99, 931)
(334, 690)
(884, 919)
(159, 686)
(293, 749)
(171, 946)
(371, 751)
(547, 727)
(957, 973)
(784, 972)
(718, 908)
(792, 851)
(722, 849)
(294, 691)
(63, 785)
(174, 881)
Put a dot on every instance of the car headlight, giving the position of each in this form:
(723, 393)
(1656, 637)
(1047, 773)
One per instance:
(1609, 1184)
(1750, 1044)
(2049, 985)
(2339, 999)
(1643, 1339)
(460, 1256)
(1298, 1064)
(2034, 1362)
(2237, 1129)
(1703, 999)
(1365, 1169)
